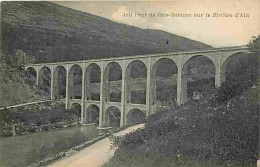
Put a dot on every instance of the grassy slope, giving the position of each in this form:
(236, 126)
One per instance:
(49, 32)
(183, 138)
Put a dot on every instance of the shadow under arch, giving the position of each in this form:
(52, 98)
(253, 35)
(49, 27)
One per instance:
(45, 81)
(135, 116)
(59, 82)
(136, 77)
(75, 110)
(112, 117)
(164, 78)
(92, 114)
(93, 78)
(233, 63)
(31, 75)
(113, 81)
(75, 82)
(198, 75)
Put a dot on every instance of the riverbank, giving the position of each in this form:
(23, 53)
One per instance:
(95, 155)
(36, 118)
(36, 147)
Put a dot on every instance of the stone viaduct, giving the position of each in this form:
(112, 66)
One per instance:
(219, 58)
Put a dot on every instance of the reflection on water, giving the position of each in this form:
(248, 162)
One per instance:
(26, 149)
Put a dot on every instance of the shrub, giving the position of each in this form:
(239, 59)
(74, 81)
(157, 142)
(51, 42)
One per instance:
(161, 127)
(157, 116)
(228, 133)
(236, 130)
(131, 139)
(6, 116)
(244, 75)
(141, 136)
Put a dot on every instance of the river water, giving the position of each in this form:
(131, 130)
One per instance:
(24, 150)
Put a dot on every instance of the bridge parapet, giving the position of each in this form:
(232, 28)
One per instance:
(144, 57)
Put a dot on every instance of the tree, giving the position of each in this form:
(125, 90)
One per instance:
(254, 45)
(20, 59)
(245, 76)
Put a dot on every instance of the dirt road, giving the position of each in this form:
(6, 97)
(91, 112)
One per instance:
(94, 155)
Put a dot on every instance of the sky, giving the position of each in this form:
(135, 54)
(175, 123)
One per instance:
(229, 22)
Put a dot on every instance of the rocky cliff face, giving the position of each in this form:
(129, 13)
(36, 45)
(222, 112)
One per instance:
(49, 32)
(14, 88)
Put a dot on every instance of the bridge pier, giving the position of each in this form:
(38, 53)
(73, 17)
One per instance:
(148, 88)
(184, 90)
(37, 76)
(67, 103)
(53, 81)
(87, 81)
(179, 81)
(123, 98)
(83, 95)
(218, 81)
(102, 98)
(152, 88)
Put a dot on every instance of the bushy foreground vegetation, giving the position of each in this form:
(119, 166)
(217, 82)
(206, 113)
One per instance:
(221, 135)
(222, 129)
(36, 118)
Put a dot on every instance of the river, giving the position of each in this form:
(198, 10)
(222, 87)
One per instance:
(24, 150)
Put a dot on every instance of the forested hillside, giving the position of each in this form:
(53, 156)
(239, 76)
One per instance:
(48, 32)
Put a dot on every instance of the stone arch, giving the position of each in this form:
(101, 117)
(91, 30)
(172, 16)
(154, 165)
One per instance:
(26, 67)
(93, 78)
(135, 116)
(231, 64)
(75, 109)
(113, 81)
(164, 82)
(59, 82)
(75, 82)
(75, 105)
(136, 76)
(198, 74)
(209, 56)
(32, 75)
(45, 80)
(112, 116)
(92, 114)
